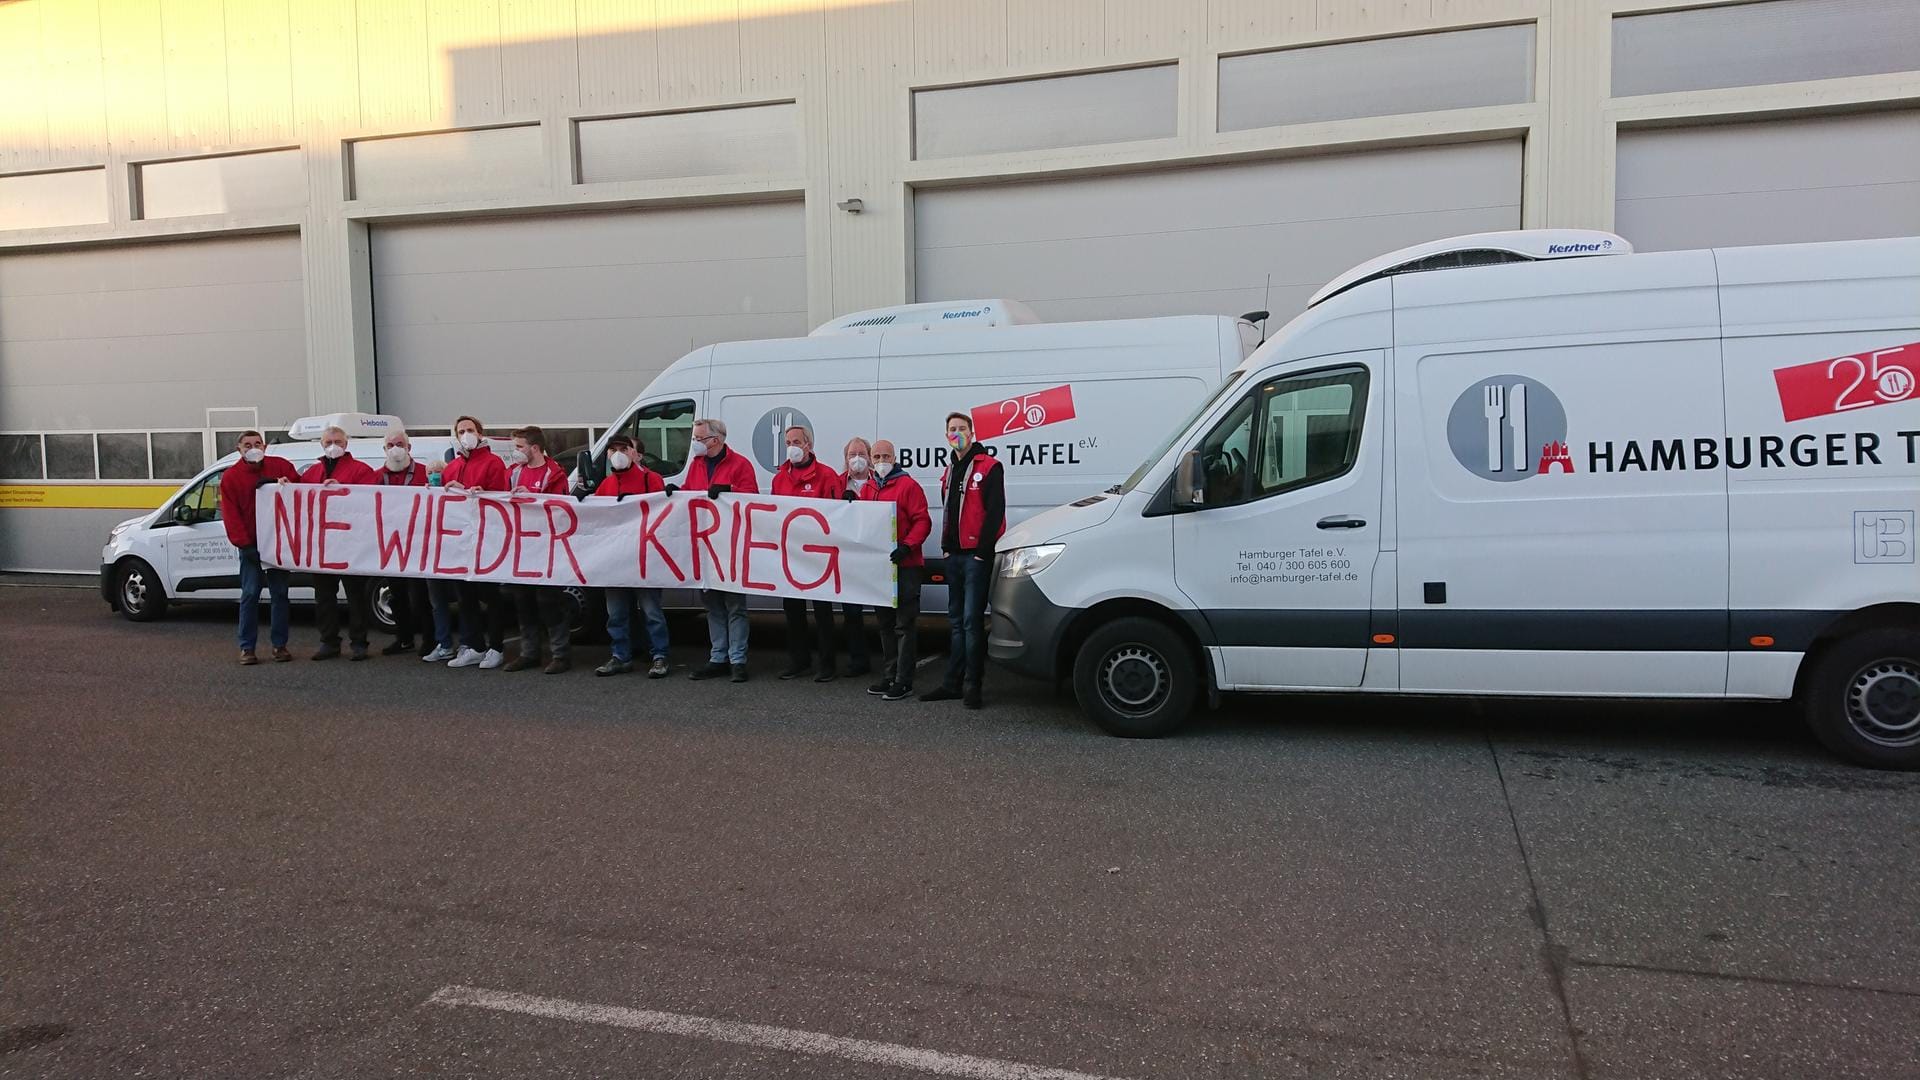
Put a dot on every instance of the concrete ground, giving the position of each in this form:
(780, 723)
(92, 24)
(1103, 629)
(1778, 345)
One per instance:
(391, 869)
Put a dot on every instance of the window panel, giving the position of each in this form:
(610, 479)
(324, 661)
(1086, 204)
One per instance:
(1460, 69)
(123, 455)
(1036, 114)
(1777, 41)
(20, 457)
(70, 457)
(177, 455)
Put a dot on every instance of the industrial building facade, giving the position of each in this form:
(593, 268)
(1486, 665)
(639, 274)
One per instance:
(228, 213)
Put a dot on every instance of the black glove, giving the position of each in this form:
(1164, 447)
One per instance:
(581, 495)
(899, 553)
(671, 488)
(714, 491)
(851, 495)
(620, 497)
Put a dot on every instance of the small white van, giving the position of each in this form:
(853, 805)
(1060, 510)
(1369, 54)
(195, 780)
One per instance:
(1528, 463)
(179, 553)
(1068, 407)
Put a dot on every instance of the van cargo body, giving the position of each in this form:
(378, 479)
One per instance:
(1536, 465)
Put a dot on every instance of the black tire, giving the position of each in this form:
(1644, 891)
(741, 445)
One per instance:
(1135, 678)
(1862, 698)
(138, 592)
(586, 614)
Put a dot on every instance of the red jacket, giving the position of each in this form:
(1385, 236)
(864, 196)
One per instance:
(814, 480)
(548, 479)
(733, 470)
(983, 506)
(633, 480)
(348, 470)
(238, 486)
(911, 522)
(480, 470)
(414, 475)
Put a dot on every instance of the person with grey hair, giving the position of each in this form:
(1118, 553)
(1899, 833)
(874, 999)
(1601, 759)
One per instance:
(407, 597)
(859, 473)
(720, 471)
(807, 477)
(336, 467)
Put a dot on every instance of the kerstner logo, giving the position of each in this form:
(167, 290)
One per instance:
(1574, 249)
(976, 313)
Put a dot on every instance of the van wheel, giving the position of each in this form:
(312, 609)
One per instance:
(142, 597)
(1135, 678)
(382, 602)
(1863, 699)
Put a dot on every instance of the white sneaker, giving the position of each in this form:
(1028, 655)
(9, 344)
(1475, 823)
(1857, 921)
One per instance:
(440, 655)
(492, 660)
(467, 658)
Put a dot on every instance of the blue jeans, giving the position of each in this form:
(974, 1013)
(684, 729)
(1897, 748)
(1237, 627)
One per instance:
(726, 626)
(967, 579)
(441, 595)
(620, 604)
(251, 575)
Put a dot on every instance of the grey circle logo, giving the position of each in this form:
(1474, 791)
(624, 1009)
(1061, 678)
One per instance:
(770, 436)
(1509, 427)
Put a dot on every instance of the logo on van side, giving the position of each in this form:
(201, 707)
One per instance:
(963, 314)
(770, 436)
(1509, 427)
(1575, 249)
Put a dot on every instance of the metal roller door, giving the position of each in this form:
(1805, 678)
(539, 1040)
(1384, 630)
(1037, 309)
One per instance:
(564, 317)
(1769, 182)
(1204, 240)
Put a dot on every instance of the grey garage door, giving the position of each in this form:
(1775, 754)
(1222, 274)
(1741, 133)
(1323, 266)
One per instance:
(1204, 240)
(1770, 182)
(152, 335)
(564, 317)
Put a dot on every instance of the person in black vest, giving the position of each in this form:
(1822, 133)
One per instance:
(973, 493)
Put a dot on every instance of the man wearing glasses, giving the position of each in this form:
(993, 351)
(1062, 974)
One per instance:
(720, 471)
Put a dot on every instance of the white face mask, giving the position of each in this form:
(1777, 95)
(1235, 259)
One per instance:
(796, 455)
(254, 455)
(468, 440)
(620, 461)
(335, 451)
(856, 464)
(518, 457)
(398, 458)
(883, 468)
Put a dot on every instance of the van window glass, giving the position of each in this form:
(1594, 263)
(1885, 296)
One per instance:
(1226, 452)
(201, 502)
(664, 430)
(1133, 479)
(1309, 429)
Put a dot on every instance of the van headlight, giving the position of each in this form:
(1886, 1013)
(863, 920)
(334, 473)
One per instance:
(1028, 561)
(121, 528)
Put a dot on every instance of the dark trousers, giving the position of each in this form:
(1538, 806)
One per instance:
(483, 616)
(898, 636)
(412, 614)
(967, 618)
(797, 646)
(855, 631)
(326, 608)
(546, 610)
(252, 577)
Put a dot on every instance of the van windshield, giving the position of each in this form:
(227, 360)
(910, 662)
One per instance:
(1179, 429)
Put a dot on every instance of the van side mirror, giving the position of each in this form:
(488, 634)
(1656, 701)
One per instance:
(1189, 481)
(583, 468)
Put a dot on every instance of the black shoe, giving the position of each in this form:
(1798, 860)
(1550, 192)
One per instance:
(708, 670)
(359, 653)
(794, 671)
(739, 673)
(826, 675)
(327, 652)
(971, 699)
(859, 668)
(897, 692)
(878, 689)
(399, 645)
(940, 693)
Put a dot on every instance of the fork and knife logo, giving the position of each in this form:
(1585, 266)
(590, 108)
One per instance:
(1508, 404)
(1508, 427)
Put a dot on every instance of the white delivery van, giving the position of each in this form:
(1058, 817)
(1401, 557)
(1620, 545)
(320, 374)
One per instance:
(1525, 463)
(1067, 407)
(180, 553)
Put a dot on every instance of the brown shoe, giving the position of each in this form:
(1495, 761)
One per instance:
(247, 659)
(281, 655)
(559, 666)
(523, 662)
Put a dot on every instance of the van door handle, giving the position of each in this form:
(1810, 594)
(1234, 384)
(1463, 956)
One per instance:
(1341, 523)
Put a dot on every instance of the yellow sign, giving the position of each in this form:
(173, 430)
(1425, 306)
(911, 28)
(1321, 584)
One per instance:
(84, 496)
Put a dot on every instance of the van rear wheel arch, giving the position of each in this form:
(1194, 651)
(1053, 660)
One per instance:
(1895, 616)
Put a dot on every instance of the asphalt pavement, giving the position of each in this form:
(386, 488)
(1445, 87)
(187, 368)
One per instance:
(322, 870)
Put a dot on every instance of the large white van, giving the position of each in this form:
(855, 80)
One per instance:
(1525, 463)
(178, 553)
(1068, 407)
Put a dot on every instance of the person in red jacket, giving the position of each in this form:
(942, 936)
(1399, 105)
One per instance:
(483, 614)
(974, 496)
(720, 471)
(412, 614)
(858, 455)
(807, 477)
(238, 487)
(335, 468)
(541, 608)
(912, 525)
(627, 476)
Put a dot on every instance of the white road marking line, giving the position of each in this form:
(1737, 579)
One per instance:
(732, 1031)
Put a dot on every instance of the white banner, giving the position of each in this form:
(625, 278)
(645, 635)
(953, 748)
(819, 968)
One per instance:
(773, 544)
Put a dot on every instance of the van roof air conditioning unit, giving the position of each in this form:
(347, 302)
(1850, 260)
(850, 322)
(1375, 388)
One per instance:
(1479, 249)
(943, 315)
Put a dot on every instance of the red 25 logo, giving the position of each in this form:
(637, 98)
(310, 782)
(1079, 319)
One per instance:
(1845, 383)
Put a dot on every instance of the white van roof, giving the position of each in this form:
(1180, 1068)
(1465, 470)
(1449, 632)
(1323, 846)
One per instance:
(1479, 249)
(355, 424)
(941, 315)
